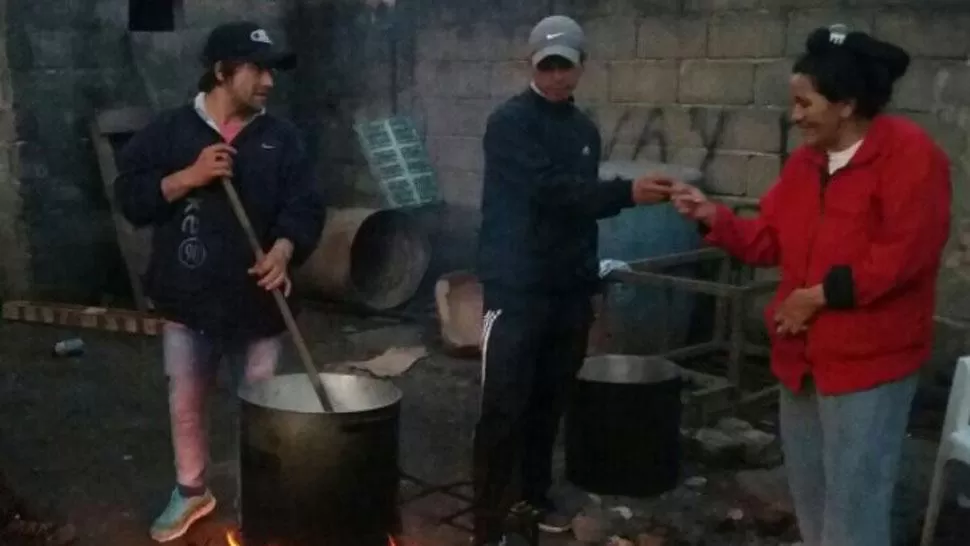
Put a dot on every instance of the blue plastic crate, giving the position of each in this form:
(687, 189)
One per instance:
(398, 161)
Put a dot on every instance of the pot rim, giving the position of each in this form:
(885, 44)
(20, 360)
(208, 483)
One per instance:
(350, 394)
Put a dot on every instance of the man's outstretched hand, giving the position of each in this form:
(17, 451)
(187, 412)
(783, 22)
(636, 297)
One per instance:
(650, 190)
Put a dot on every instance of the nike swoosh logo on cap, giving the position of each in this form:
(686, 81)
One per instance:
(554, 36)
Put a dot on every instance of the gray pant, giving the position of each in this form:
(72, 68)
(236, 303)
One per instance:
(842, 456)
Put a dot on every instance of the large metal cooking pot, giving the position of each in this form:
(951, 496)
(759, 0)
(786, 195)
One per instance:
(308, 477)
(623, 426)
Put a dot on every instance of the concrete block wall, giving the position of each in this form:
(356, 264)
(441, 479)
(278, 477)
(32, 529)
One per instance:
(14, 271)
(64, 59)
(355, 65)
(167, 63)
(702, 83)
(697, 82)
(61, 62)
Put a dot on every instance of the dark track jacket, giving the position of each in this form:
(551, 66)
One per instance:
(200, 255)
(542, 197)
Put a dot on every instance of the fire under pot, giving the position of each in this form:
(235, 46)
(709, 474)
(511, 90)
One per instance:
(309, 477)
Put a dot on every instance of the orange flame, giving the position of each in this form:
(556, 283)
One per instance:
(391, 541)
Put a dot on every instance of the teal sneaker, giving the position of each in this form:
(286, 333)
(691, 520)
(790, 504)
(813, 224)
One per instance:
(180, 514)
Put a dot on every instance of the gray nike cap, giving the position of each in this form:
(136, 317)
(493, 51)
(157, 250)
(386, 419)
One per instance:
(557, 35)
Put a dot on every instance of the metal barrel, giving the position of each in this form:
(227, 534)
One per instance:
(375, 257)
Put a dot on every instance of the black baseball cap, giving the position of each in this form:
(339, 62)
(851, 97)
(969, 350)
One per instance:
(248, 42)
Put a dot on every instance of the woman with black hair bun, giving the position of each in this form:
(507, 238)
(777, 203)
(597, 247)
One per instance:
(856, 223)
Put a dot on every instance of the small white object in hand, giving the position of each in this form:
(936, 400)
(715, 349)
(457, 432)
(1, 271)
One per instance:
(609, 266)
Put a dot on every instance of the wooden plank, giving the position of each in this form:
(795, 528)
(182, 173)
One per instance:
(135, 243)
(122, 120)
(79, 316)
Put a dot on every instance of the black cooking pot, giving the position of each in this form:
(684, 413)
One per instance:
(623, 426)
(308, 477)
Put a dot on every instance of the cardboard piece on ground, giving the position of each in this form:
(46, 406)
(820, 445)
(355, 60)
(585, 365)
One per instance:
(393, 362)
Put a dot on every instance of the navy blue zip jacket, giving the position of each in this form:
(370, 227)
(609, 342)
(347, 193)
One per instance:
(542, 197)
(197, 274)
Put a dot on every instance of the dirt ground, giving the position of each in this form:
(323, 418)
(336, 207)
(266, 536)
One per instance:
(86, 438)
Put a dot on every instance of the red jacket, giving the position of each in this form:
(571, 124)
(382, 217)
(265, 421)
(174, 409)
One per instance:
(872, 234)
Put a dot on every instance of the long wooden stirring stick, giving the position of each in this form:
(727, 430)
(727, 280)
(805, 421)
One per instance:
(311, 370)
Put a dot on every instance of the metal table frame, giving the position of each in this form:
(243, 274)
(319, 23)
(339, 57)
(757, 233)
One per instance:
(733, 291)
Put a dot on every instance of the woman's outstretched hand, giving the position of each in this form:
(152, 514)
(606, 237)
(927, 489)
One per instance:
(692, 203)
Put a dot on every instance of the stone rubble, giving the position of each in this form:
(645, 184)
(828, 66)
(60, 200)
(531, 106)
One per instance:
(726, 498)
(619, 541)
(647, 539)
(767, 486)
(588, 529)
(19, 527)
(734, 442)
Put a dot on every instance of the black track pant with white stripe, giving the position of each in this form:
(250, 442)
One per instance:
(532, 347)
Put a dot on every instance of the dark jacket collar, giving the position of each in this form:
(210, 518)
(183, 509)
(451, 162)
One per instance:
(546, 104)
